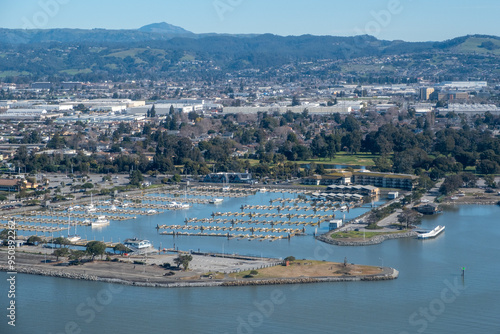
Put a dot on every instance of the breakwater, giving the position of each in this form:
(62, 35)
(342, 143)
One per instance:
(368, 242)
(387, 274)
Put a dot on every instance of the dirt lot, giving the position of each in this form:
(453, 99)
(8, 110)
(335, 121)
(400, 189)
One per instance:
(308, 268)
(473, 196)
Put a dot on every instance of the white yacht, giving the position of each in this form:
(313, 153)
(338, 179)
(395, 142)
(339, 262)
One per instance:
(136, 244)
(216, 201)
(100, 221)
(176, 205)
(90, 208)
(74, 238)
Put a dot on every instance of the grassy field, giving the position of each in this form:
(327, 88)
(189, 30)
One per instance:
(12, 73)
(309, 268)
(75, 71)
(473, 45)
(342, 158)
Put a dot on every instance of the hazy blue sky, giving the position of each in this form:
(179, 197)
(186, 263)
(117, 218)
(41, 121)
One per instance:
(412, 20)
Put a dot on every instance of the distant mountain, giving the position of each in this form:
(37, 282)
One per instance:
(165, 28)
(162, 49)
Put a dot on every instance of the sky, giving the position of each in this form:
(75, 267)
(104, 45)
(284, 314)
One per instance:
(409, 20)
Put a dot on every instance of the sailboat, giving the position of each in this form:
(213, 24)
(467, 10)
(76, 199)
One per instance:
(75, 237)
(225, 186)
(91, 207)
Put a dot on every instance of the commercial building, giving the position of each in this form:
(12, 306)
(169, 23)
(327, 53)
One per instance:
(228, 178)
(41, 85)
(26, 114)
(340, 178)
(385, 180)
(16, 185)
(463, 85)
(425, 93)
(363, 191)
(335, 224)
(473, 109)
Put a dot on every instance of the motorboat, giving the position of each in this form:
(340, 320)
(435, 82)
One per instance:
(216, 201)
(100, 221)
(177, 205)
(137, 244)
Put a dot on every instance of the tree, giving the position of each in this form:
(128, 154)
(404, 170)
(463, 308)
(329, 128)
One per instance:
(383, 163)
(490, 181)
(33, 240)
(152, 112)
(488, 167)
(183, 260)
(95, 248)
(451, 184)
(121, 248)
(61, 241)
(136, 178)
(295, 101)
(408, 217)
(76, 255)
(63, 252)
(4, 234)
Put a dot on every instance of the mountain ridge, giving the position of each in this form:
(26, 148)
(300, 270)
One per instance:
(164, 28)
(161, 31)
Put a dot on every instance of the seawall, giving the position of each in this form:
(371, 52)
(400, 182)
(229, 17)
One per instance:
(387, 274)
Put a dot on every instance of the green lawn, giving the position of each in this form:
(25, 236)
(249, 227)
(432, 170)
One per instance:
(75, 71)
(12, 73)
(343, 158)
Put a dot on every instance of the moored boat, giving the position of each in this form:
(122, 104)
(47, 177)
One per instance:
(100, 221)
(216, 201)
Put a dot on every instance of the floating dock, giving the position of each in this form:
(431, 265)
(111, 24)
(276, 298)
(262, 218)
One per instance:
(432, 234)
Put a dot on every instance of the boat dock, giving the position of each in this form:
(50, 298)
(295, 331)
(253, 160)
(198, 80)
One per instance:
(271, 214)
(249, 237)
(432, 234)
(35, 228)
(254, 222)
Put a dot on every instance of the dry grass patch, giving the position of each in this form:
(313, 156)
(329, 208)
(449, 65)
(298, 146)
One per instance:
(309, 268)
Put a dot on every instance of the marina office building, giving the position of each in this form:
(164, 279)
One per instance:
(364, 178)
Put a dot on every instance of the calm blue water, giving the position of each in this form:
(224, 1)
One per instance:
(430, 295)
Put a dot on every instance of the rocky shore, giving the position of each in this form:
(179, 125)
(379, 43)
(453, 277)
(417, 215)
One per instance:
(362, 242)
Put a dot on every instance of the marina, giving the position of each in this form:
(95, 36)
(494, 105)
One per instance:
(426, 269)
(288, 214)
